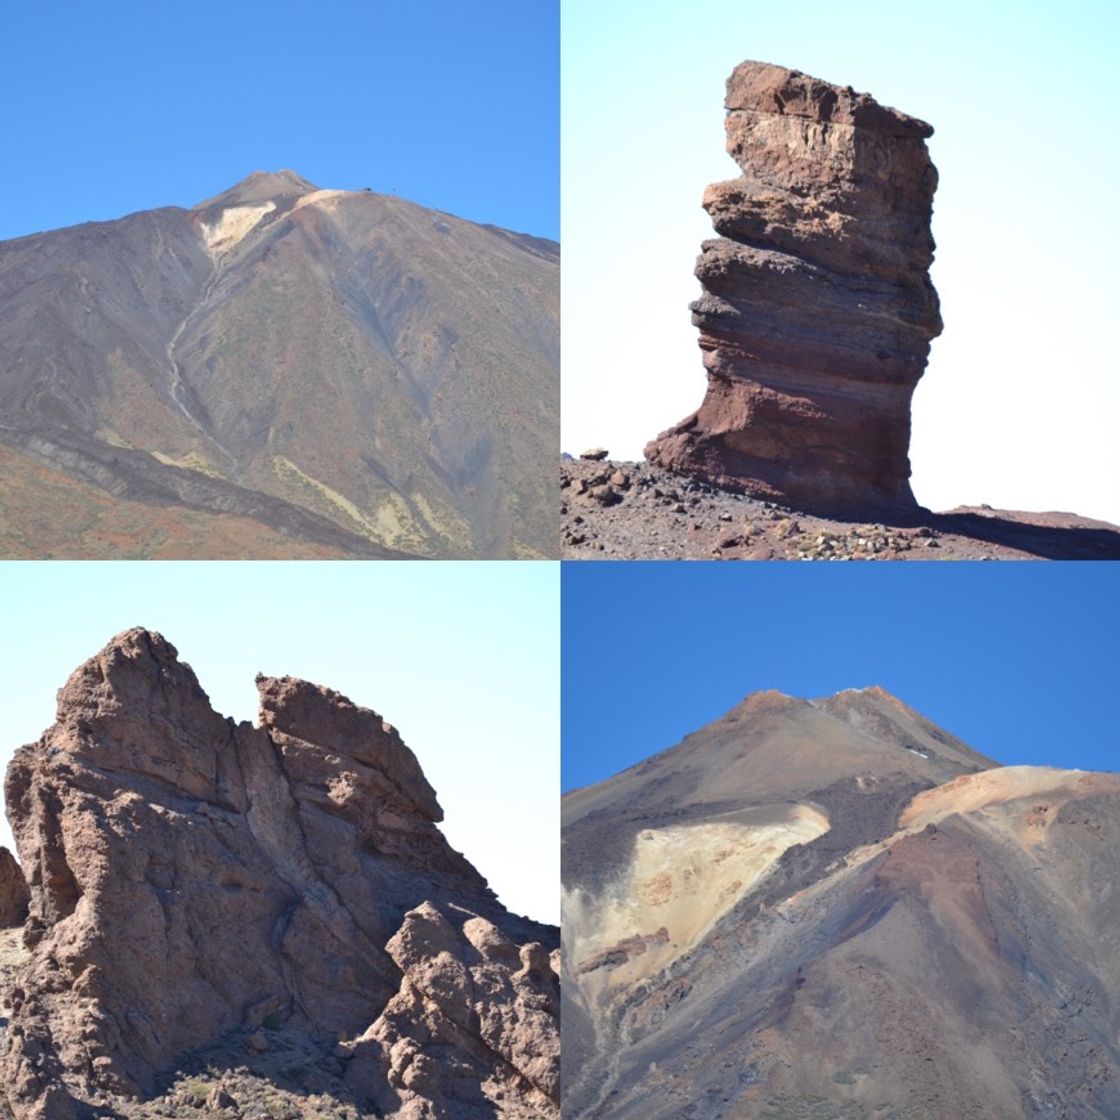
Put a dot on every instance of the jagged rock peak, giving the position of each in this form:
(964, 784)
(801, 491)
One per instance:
(818, 310)
(296, 708)
(132, 656)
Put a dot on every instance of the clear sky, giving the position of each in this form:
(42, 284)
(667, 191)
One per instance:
(1020, 402)
(463, 658)
(108, 108)
(1018, 660)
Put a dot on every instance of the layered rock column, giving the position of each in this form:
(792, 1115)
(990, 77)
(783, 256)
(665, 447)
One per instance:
(818, 310)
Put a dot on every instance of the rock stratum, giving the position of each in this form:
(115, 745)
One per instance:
(818, 310)
(280, 371)
(833, 909)
(197, 884)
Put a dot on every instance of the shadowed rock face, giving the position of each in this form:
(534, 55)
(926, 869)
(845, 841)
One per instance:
(835, 909)
(191, 879)
(346, 371)
(14, 896)
(817, 310)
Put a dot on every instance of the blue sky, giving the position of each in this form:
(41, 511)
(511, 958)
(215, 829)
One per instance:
(110, 108)
(1018, 659)
(463, 658)
(1018, 406)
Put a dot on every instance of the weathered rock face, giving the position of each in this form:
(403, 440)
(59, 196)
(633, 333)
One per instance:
(495, 999)
(191, 878)
(817, 310)
(14, 896)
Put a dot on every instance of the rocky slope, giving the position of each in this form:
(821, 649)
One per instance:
(222, 915)
(833, 909)
(342, 371)
(635, 511)
(817, 310)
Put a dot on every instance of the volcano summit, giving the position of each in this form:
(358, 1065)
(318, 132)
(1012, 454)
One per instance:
(279, 372)
(833, 909)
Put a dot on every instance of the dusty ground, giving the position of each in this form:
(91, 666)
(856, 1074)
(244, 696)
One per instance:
(292, 1078)
(630, 511)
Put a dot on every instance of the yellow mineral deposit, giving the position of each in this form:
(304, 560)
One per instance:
(681, 880)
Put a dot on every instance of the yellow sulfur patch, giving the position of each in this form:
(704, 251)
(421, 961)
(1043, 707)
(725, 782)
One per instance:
(681, 881)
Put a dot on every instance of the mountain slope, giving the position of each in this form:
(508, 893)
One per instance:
(348, 369)
(834, 909)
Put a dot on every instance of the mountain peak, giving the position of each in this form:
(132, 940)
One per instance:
(261, 186)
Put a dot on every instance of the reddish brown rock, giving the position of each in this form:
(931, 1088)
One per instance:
(469, 989)
(13, 891)
(817, 310)
(192, 879)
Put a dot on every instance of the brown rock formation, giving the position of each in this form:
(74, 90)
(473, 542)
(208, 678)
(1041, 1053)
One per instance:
(192, 879)
(14, 896)
(817, 310)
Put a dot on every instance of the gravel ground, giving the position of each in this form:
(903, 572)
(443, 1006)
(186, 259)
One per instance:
(630, 511)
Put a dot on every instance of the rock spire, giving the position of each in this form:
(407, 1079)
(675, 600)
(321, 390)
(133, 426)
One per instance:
(817, 311)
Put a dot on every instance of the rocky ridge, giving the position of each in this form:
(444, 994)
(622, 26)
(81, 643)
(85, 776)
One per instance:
(818, 310)
(222, 898)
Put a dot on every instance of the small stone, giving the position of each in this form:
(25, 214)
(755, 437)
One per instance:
(606, 495)
(257, 1041)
